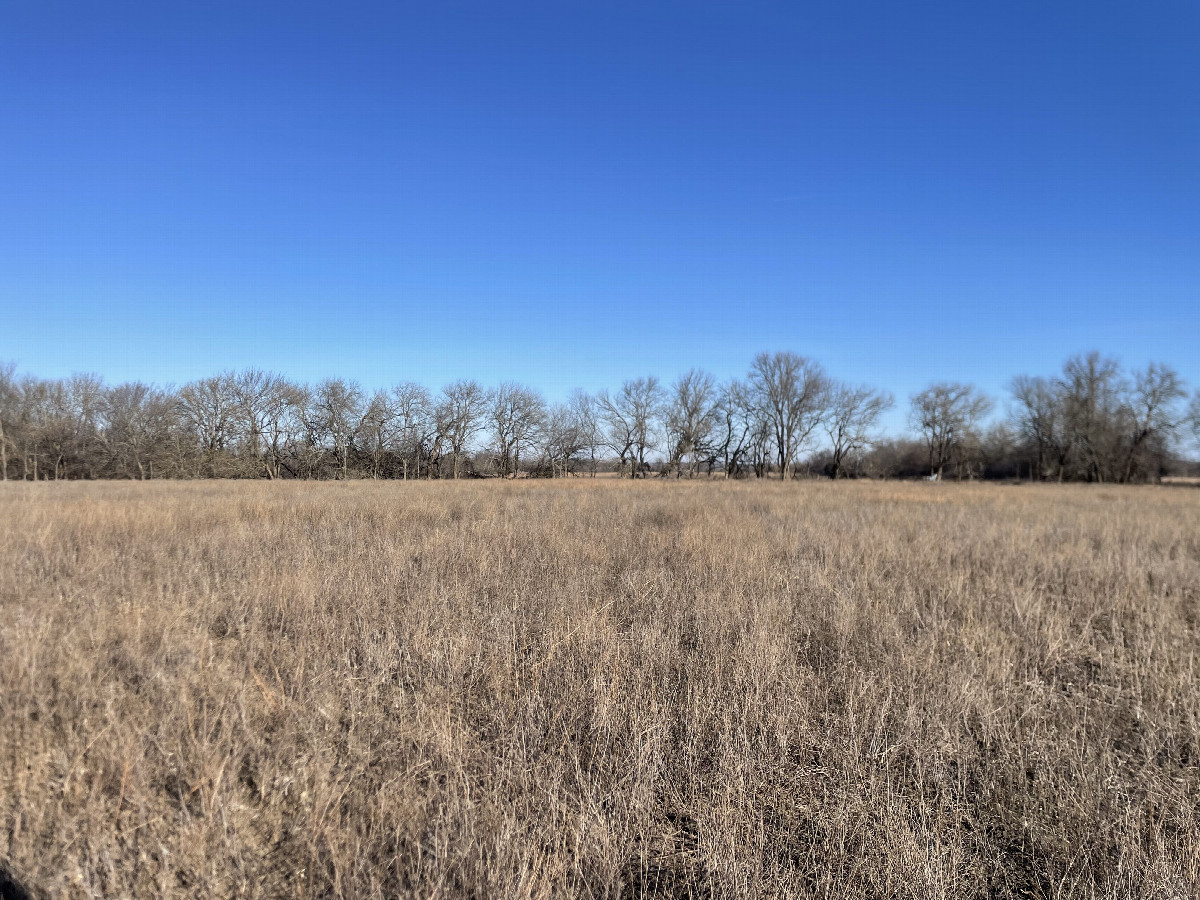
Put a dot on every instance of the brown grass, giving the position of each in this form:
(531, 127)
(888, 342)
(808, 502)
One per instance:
(1181, 479)
(605, 689)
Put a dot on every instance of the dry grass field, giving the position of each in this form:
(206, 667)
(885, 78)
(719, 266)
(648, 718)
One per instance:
(599, 689)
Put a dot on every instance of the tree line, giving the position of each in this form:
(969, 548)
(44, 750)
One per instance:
(1092, 421)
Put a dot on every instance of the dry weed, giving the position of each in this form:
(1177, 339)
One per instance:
(607, 689)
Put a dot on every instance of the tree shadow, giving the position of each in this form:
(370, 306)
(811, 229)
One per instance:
(13, 889)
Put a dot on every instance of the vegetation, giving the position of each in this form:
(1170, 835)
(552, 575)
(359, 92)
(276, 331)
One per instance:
(599, 689)
(1092, 423)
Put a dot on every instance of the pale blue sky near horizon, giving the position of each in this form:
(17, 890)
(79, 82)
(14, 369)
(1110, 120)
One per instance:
(570, 194)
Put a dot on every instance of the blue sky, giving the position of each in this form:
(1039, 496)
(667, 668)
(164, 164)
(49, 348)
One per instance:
(574, 193)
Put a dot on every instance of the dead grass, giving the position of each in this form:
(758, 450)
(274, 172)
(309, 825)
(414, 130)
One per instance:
(583, 689)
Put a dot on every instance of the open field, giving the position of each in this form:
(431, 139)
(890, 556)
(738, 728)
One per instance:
(1181, 480)
(581, 689)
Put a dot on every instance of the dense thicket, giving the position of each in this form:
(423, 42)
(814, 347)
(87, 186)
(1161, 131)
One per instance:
(1091, 422)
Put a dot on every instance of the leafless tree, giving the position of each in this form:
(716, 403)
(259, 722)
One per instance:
(208, 406)
(460, 413)
(1092, 422)
(336, 414)
(34, 422)
(692, 417)
(584, 410)
(948, 414)
(1097, 417)
(738, 419)
(1194, 416)
(517, 413)
(284, 426)
(852, 417)
(413, 423)
(792, 391)
(137, 419)
(51, 425)
(48, 425)
(643, 397)
(377, 434)
(61, 419)
(1154, 402)
(85, 395)
(762, 446)
(1041, 420)
(628, 420)
(262, 404)
(561, 439)
(617, 428)
(999, 450)
(8, 406)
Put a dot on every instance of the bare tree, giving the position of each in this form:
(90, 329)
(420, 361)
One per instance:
(33, 421)
(261, 404)
(643, 397)
(738, 418)
(336, 414)
(517, 412)
(584, 409)
(46, 410)
(27, 414)
(1097, 418)
(561, 438)
(792, 391)
(460, 414)
(1041, 420)
(283, 425)
(85, 395)
(61, 419)
(692, 417)
(852, 417)
(617, 428)
(414, 423)
(8, 409)
(1154, 401)
(1093, 422)
(628, 420)
(762, 446)
(136, 418)
(208, 407)
(377, 432)
(1194, 416)
(947, 414)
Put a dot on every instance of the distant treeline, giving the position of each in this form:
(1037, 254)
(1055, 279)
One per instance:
(1091, 422)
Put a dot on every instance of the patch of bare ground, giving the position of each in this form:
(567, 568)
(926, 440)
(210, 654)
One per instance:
(579, 689)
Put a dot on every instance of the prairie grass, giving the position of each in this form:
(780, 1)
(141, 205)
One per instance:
(599, 689)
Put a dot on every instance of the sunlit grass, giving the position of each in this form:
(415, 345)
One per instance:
(599, 689)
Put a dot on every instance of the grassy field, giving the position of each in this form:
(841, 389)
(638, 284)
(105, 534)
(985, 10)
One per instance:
(583, 689)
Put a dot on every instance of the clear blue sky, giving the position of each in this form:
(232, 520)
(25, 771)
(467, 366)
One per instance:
(574, 193)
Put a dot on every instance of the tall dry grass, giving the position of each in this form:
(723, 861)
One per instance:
(599, 690)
